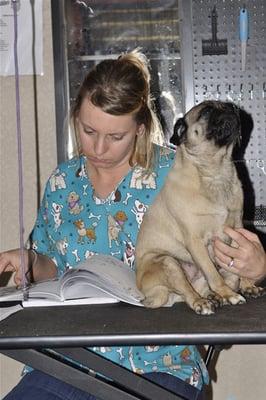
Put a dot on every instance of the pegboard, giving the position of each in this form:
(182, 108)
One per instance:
(87, 32)
(221, 77)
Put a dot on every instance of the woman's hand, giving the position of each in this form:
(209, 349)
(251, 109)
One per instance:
(11, 261)
(38, 267)
(248, 260)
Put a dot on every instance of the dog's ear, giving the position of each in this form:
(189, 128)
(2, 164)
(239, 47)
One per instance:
(224, 127)
(180, 128)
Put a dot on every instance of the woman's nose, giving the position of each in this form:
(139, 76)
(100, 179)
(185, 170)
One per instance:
(100, 146)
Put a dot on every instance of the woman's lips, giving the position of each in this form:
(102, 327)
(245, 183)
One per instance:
(98, 160)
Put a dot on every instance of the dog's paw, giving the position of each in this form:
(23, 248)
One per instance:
(204, 306)
(253, 291)
(152, 302)
(156, 297)
(234, 299)
(216, 299)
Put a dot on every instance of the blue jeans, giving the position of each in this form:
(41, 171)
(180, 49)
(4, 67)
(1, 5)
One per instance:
(36, 385)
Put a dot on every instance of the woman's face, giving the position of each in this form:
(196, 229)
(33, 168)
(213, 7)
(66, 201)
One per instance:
(107, 140)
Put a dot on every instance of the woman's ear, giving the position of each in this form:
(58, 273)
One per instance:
(141, 130)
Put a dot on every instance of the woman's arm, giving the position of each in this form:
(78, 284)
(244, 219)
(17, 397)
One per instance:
(38, 266)
(249, 258)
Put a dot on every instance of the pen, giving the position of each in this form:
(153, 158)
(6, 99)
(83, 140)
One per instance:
(243, 36)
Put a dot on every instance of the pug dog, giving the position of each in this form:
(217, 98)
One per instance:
(201, 195)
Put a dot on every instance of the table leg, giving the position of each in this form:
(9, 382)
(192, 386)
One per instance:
(124, 384)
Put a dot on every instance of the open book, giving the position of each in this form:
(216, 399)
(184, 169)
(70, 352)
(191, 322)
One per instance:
(99, 279)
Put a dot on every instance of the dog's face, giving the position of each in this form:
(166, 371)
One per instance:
(215, 122)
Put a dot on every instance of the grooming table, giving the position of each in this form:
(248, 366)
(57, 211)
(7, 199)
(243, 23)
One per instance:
(67, 330)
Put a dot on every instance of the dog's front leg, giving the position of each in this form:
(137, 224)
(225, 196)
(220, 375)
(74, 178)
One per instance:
(162, 276)
(216, 282)
(248, 288)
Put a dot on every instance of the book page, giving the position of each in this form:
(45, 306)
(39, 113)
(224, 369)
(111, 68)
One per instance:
(6, 311)
(49, 289)
(100, 279)
(107, 273)
(45, 290)
(72, 302)
(10, 293)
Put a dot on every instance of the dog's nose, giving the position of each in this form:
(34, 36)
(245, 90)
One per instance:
(180, 128)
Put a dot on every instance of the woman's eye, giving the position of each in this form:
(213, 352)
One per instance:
(116, 137)
(88, 132)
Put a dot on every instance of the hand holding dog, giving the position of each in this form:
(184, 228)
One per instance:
(249, 258)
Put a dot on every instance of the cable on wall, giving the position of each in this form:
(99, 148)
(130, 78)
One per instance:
(15, 6)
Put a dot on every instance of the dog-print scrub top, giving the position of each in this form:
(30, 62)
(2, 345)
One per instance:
(73, 224)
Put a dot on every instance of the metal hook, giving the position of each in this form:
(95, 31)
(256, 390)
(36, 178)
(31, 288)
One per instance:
(251, 91)
(261, 165)
(263, 90)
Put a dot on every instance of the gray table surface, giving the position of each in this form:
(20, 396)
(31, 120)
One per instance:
(122, 324)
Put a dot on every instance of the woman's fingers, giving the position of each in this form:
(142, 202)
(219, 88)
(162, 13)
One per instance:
(224, 260)
(248, 235)
(11, 261)
(5, 263)
(225, 266)
(237, 236)
(247, 259)
(225, 251)
(7, 268)
(17, 279)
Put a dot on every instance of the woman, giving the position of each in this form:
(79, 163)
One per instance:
(95, 203)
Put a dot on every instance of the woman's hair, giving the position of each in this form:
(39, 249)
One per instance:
(120, 87)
